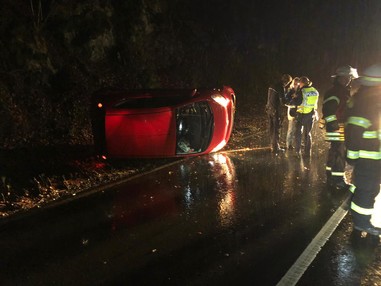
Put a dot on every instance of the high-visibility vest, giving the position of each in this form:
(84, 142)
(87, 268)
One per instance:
(310, 99)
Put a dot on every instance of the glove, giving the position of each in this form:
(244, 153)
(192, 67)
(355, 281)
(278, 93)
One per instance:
(348, 174)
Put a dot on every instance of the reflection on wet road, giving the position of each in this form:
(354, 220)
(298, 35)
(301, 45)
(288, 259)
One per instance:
(235, 218)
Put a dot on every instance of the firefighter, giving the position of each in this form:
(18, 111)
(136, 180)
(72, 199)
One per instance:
(362, 139)
(274, 106)
(334, 105)
(306, 101)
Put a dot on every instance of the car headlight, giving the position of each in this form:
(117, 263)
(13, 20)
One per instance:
(220, 100)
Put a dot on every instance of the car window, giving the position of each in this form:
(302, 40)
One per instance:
(194, 128)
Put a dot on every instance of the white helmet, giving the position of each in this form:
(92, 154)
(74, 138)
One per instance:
(371, 76)
(346, 71)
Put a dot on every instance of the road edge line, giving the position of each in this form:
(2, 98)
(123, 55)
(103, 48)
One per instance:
(297, 270)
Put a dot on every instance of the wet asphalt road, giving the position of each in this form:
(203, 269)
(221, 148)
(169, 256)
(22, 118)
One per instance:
(239, 218)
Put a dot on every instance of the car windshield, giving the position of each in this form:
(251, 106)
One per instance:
(194, 128)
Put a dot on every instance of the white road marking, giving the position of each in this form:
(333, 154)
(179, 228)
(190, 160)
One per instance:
(296, 271)
(245, 149)
(113, 184)
(122, 181)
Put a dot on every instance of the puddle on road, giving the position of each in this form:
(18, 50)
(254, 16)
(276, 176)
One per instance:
(223, 190)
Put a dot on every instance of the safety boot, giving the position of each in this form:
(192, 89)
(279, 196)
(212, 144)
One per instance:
(370, 229)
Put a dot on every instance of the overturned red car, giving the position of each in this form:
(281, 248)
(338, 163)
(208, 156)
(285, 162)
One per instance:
(160, 123)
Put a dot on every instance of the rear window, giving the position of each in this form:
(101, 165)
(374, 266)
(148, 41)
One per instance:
(194, 128)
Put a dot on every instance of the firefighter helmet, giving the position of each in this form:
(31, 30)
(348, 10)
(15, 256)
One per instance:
(346, 71)
(371, 76)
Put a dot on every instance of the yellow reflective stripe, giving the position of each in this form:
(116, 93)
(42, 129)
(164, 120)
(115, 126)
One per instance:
(330, 118)
(352, 188)
(374, 155)
(359, 121)
(332, 98)
(338, 174)
(334, 136)
(370, 135)
(361, 210)
(373, 79)
(339, 139)
(328, 168)
(353, 154)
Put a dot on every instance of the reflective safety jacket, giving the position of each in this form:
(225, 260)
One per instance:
(309, 98)
(362, 128)
(334, 106)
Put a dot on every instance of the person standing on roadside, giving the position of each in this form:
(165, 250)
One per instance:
(334, 106)
(291, 113)
(363, 143)
(275, 104)
(306, 101)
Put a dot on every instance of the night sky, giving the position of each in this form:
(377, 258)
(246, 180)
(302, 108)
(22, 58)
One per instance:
(303, 37)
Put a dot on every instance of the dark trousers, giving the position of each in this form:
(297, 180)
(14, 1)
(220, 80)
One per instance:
(336, 159)
(274, 130)
(303, 128)
(367, 181)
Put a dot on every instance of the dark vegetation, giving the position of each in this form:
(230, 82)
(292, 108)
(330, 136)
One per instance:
(55, 54)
